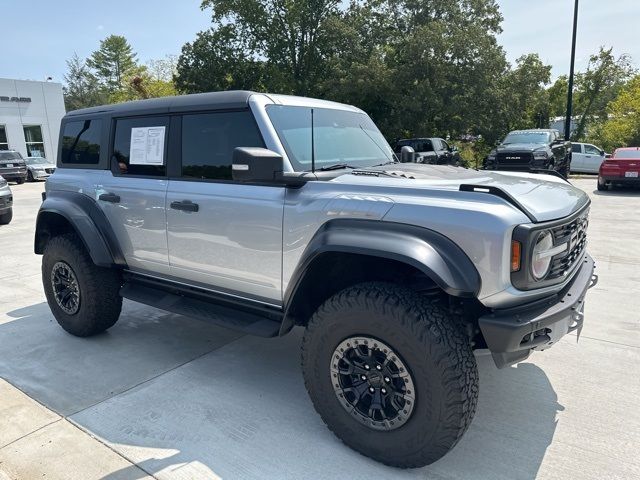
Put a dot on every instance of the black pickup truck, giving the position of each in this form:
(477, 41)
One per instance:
(434, 151)
(531, 150)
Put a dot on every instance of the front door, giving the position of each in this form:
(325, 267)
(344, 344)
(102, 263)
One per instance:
(223, 235)
(577, 158)
(132, 194)
(593, 157)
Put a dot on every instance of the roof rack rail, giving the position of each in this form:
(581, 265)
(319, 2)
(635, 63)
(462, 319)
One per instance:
(498, 192)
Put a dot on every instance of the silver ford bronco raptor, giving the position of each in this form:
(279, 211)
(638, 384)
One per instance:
(262, 212)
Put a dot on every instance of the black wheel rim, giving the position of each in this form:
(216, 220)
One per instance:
(372, 383)
(65, 288)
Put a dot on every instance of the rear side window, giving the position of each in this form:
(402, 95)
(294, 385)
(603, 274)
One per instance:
(140, 146)
(576, 148)
(208, 141)
(81, 142)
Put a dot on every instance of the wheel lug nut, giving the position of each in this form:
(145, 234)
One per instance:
(363, 377)
(371, 389)
(384, 390)
(378, 367)
(366, 367)
(387, 379)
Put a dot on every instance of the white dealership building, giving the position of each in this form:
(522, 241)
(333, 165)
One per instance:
(30, 114)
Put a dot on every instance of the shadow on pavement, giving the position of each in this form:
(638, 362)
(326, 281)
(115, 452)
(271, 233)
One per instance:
(241, 411)
(619, 192)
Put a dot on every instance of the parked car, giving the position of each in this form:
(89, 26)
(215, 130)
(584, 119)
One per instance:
(38, 168)
(531, 150)
(586, 158)
(262, 212)
(623, 168)
(434, 151)
(6, 202)
(12, 166)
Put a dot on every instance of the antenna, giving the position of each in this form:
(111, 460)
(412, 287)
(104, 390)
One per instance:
(313, 148)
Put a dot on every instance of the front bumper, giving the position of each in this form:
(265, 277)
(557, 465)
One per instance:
(6, 202)
(40, 174)
(511, 334)
(14, 176)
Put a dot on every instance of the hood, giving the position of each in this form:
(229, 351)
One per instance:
(544, 197)
(521, 147)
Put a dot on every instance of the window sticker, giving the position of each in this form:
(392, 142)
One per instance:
(147, 146)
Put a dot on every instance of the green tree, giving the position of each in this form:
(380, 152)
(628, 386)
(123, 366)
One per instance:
(82, 88)
(114, 63)
(622, 127)
(599, 85)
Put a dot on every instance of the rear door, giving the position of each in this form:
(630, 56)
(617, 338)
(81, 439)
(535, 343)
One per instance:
(132, 193)
(223, 235)
(577, 157)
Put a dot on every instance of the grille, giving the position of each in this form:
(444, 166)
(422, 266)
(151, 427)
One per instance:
(515, 160)
(575, 233)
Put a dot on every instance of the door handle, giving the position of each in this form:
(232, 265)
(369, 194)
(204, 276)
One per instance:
(185, 206)
(109, 197)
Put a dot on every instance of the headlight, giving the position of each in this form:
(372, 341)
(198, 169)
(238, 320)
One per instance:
(541, 261)
(3, 182)
(543, 252)
(541, 155)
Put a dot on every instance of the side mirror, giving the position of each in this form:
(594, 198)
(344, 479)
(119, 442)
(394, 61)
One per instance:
(254, 164)
(602, 153)
(407, 154)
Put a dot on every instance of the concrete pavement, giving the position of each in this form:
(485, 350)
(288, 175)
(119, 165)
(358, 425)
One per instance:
(163, 396)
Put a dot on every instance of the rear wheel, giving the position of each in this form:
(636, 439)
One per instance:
(391, 373)
(6, 217)
(20, 181)
(602, 185)
(84, 298)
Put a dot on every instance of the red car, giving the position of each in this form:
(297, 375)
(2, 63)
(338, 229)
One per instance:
(622, 168)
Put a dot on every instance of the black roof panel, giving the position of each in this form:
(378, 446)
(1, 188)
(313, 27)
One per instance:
(197, 101)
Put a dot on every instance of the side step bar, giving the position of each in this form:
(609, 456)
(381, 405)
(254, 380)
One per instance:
(221, 315)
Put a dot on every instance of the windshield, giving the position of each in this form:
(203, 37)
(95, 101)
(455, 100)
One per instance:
(339, 137)
(527, 137)
(633, 154)
(10, 156)
(35, 161)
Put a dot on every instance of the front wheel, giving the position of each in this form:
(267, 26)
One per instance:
(30, 177)
(84, 298)
(391, 373)
(20, 181)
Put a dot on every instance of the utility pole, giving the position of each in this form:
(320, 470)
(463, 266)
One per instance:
(567, 121)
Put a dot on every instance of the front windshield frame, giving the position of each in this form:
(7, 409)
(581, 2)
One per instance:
(527, 137)
(373, 149)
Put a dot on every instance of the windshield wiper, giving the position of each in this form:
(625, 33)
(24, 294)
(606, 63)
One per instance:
(385, 163)
(336, 166)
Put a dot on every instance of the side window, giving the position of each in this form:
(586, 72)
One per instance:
(428, 146)
(591, 150)
(208, 141)
(140, 146)
(444, 145)
(576, 148)
(81, 142)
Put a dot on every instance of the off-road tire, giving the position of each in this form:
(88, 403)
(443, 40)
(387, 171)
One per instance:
(20, 181)
(431, 343)
(6, 217)
(100, 303)
(30, 176)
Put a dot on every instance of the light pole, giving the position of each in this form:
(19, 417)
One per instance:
(567, 121)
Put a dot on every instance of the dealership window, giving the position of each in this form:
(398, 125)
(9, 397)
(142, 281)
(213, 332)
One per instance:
(33, 140)
(81, 142)
(4, 143)
(209, 139)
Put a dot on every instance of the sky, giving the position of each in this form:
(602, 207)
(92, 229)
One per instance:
(42, 34)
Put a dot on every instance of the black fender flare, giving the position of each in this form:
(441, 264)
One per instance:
(434, 254)
(87, 220)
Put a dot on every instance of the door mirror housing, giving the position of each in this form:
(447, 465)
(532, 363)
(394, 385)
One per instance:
(407, 154)
(602, 153)
(254, 164)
